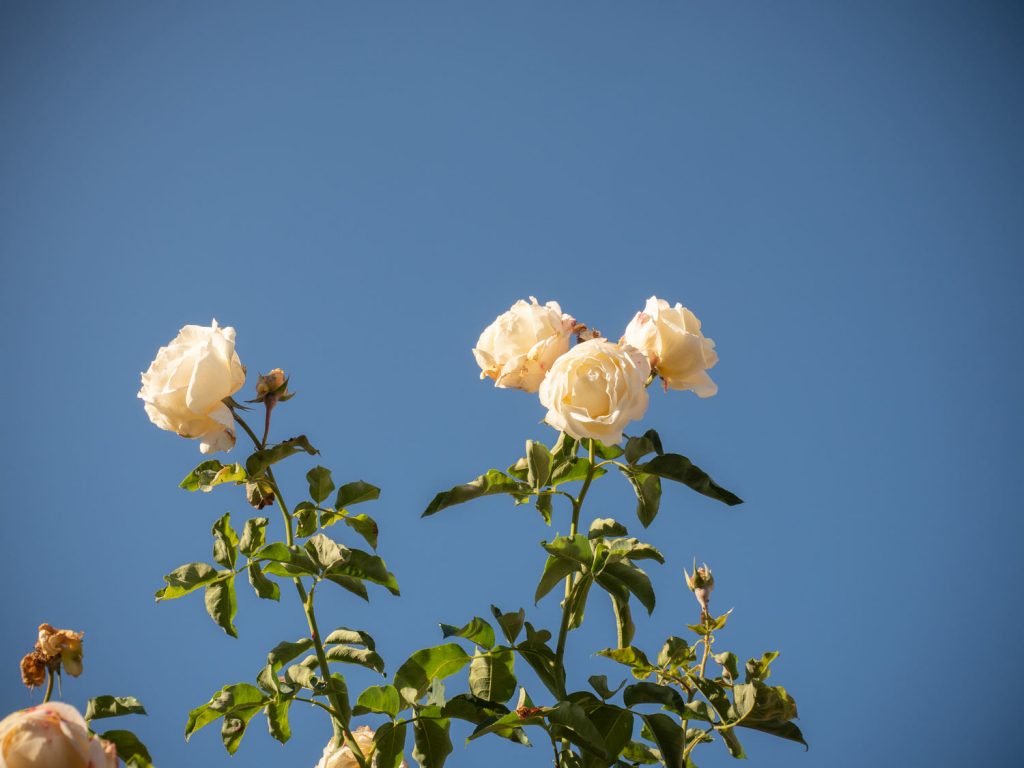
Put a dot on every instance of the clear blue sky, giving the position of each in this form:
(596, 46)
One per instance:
(359, 188)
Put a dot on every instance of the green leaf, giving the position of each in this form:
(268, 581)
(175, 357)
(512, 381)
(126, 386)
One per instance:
(607, 451)
(637, 752)
(232, 729)
(605, 526)
(277, 719)
(365, 526)
(624, 627)
(227, 699)
(555, 571)
(760, 669)
(700, 710)
(355, 586)
(675, 653)
(577, 727)
(259, 493)
(511, 623)
(364, 657)
(389, 741)
(729, 664)
(782, 730)
(536, 652)
(577, 549)
(647, 488)
(320, 483)
(432, 744)
(538, 464)
(651, 693)
(295, 559)
(492, 676)
(427, 663)
(488, 484)
(715, 694)
(222, 604)
(668, 736)
(615, 725)
(225, 541)
(732, 743)
(476, 631)
(600, 684)
(280, 655)
(258, 462)
(634, 549)
(129, 749)
(113, 706)
(352, 637)
(634, 578)
(305, 514)
(466, 706)
(578, 600)
(355, 493)
(362, 565)
(545, 506)
(379, 698)
(254, 535)
(187, 578)
(263, 586)
(631, 657)
(638, 447)
(672, 466)
(325, 551)
(210, 473)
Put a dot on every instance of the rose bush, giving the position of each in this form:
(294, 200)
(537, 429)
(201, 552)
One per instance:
(520, 346)
(185, 385)
(595, 390)
(672, 340)
(52, 735)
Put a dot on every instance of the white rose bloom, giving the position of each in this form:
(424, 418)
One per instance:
(595, 389)
(52, 735)
(343, 757)
(672, 340)
(520, 346)
(187, 381)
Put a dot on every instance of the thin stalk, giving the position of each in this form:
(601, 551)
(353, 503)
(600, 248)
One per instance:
(49, 685)
(577, 505)
(340, 728)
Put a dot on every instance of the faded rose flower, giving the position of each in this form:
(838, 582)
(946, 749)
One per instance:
(65, 643)
(33, 669)
(520, 346)
(52, 735)
(185, 385)
(672, 340)
(595, 389)
(343, 757)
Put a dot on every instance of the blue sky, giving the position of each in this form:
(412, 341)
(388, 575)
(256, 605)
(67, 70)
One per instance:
(834, 189)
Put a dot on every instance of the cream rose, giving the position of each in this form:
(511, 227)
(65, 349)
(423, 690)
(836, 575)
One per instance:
(187, 381)
(520, 346)
(671, 338)
(595, 389)
(343, 757)
(52, 735)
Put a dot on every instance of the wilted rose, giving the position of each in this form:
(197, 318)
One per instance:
(185, 385)
(595, 389)
(65, 643)
(678, 351)
(343, 757)
(33, 669)
(52, 735)
(520, 346)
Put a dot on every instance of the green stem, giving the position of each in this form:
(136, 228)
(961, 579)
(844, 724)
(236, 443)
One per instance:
(340, 728)
(49, 686)
(577, 505)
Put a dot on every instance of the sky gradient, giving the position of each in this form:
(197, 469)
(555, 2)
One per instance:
(359, 189)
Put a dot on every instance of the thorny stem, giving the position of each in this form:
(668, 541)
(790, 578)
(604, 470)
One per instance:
(341, 730)
(706, 619)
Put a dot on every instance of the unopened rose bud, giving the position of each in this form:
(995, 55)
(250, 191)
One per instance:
(270, 383)
(63, 643)
(33, 669)
(701, 583)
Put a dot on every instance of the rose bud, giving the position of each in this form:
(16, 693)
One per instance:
(273, 384)
(701, 584)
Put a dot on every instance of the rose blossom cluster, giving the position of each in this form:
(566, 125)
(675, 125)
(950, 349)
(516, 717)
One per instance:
(595, 388)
